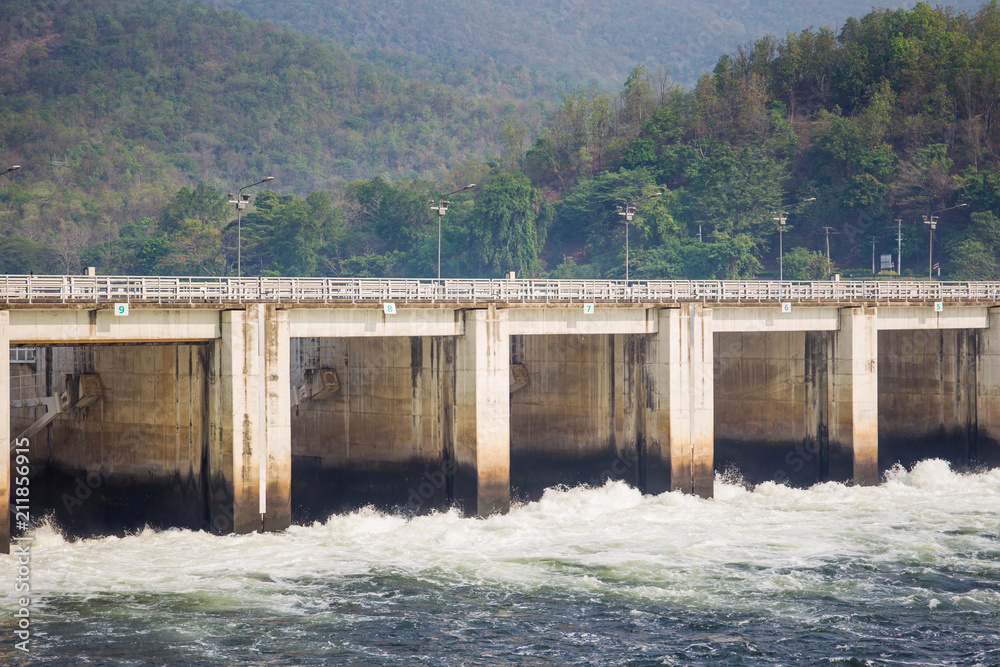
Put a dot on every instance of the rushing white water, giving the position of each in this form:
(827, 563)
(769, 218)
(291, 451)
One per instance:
(923, 543)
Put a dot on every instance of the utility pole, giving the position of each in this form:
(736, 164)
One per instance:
(873, 255)
(829, 264)
(899, 246)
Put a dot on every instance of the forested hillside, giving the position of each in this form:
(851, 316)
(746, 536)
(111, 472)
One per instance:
(132, 121)
(111, 106)
(522, 47)
(892, 118)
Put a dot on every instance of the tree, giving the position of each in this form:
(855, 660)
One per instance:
(735, 256)
(976, 255)
(202, 204)
(508, 225)
(288, 235)
(803, 264)
(191, 226)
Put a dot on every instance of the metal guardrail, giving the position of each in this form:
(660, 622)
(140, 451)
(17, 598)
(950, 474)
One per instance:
(118, 289)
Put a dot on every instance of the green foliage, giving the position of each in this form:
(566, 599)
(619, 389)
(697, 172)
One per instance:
(531, 47)
(112, 106)
(22, 256)
(976, 254)
(202, 205)
(508, 226)
(146, 113)
(288, 235)
(372, 265)
(735, 256)
(804, 264)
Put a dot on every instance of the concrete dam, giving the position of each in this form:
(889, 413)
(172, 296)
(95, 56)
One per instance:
(238, 405)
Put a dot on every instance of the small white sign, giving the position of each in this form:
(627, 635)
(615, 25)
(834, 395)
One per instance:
(786, 307)
(938, 306)
(588, 309)
(389, 308)
(121, 309)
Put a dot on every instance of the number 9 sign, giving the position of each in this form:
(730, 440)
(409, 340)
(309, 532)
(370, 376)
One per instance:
(121, 309)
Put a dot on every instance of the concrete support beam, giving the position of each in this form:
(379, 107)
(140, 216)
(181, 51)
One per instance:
(853, 428)
(482, 413)
(250, 441)
(5, 432)
(277, 415)
(925, 317)
(573, 320)
(767, 319)
(987, 441)
(679, 425)
(235, 425)
(373, 321)
(141, 325)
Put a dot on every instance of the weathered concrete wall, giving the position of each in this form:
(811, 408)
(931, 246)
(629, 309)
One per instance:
(765, 406)
(423, 413)
(927, 395)
(134, 457)
(800, 406)
(575, 421)
(378, 437)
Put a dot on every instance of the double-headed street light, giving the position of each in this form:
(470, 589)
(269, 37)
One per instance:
(441, 207)
(628, 213)
(781, 217)
(241, 200)
(13, 167)
(932, 220)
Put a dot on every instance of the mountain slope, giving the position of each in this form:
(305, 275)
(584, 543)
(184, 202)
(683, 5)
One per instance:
(222, 97)
(474, 42)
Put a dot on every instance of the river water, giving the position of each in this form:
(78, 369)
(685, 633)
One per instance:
(905, 573)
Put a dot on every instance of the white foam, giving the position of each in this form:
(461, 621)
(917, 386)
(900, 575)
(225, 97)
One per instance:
(743, 545)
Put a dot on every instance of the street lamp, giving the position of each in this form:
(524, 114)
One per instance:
(13, 167)
(781, 217)
(829, 264)
(441, 207)
(241, 202)
(628, 213)
(899, 247)
(932, 221)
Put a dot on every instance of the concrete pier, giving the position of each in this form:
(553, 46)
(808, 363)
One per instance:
(987, 424)
(5, 468)
(678, 438)
(482, 413)
(234, 443)
(853, 425)
(231, 416)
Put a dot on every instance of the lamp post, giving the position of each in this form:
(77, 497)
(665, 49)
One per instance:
(899, 247)
(829, 264)
(241, 202)
(932, 221)
(781, 217)
(441, 207)
(13, 167)
(628, 213)
(699, 230)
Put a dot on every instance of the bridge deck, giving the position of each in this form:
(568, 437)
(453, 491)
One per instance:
(197, 290)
